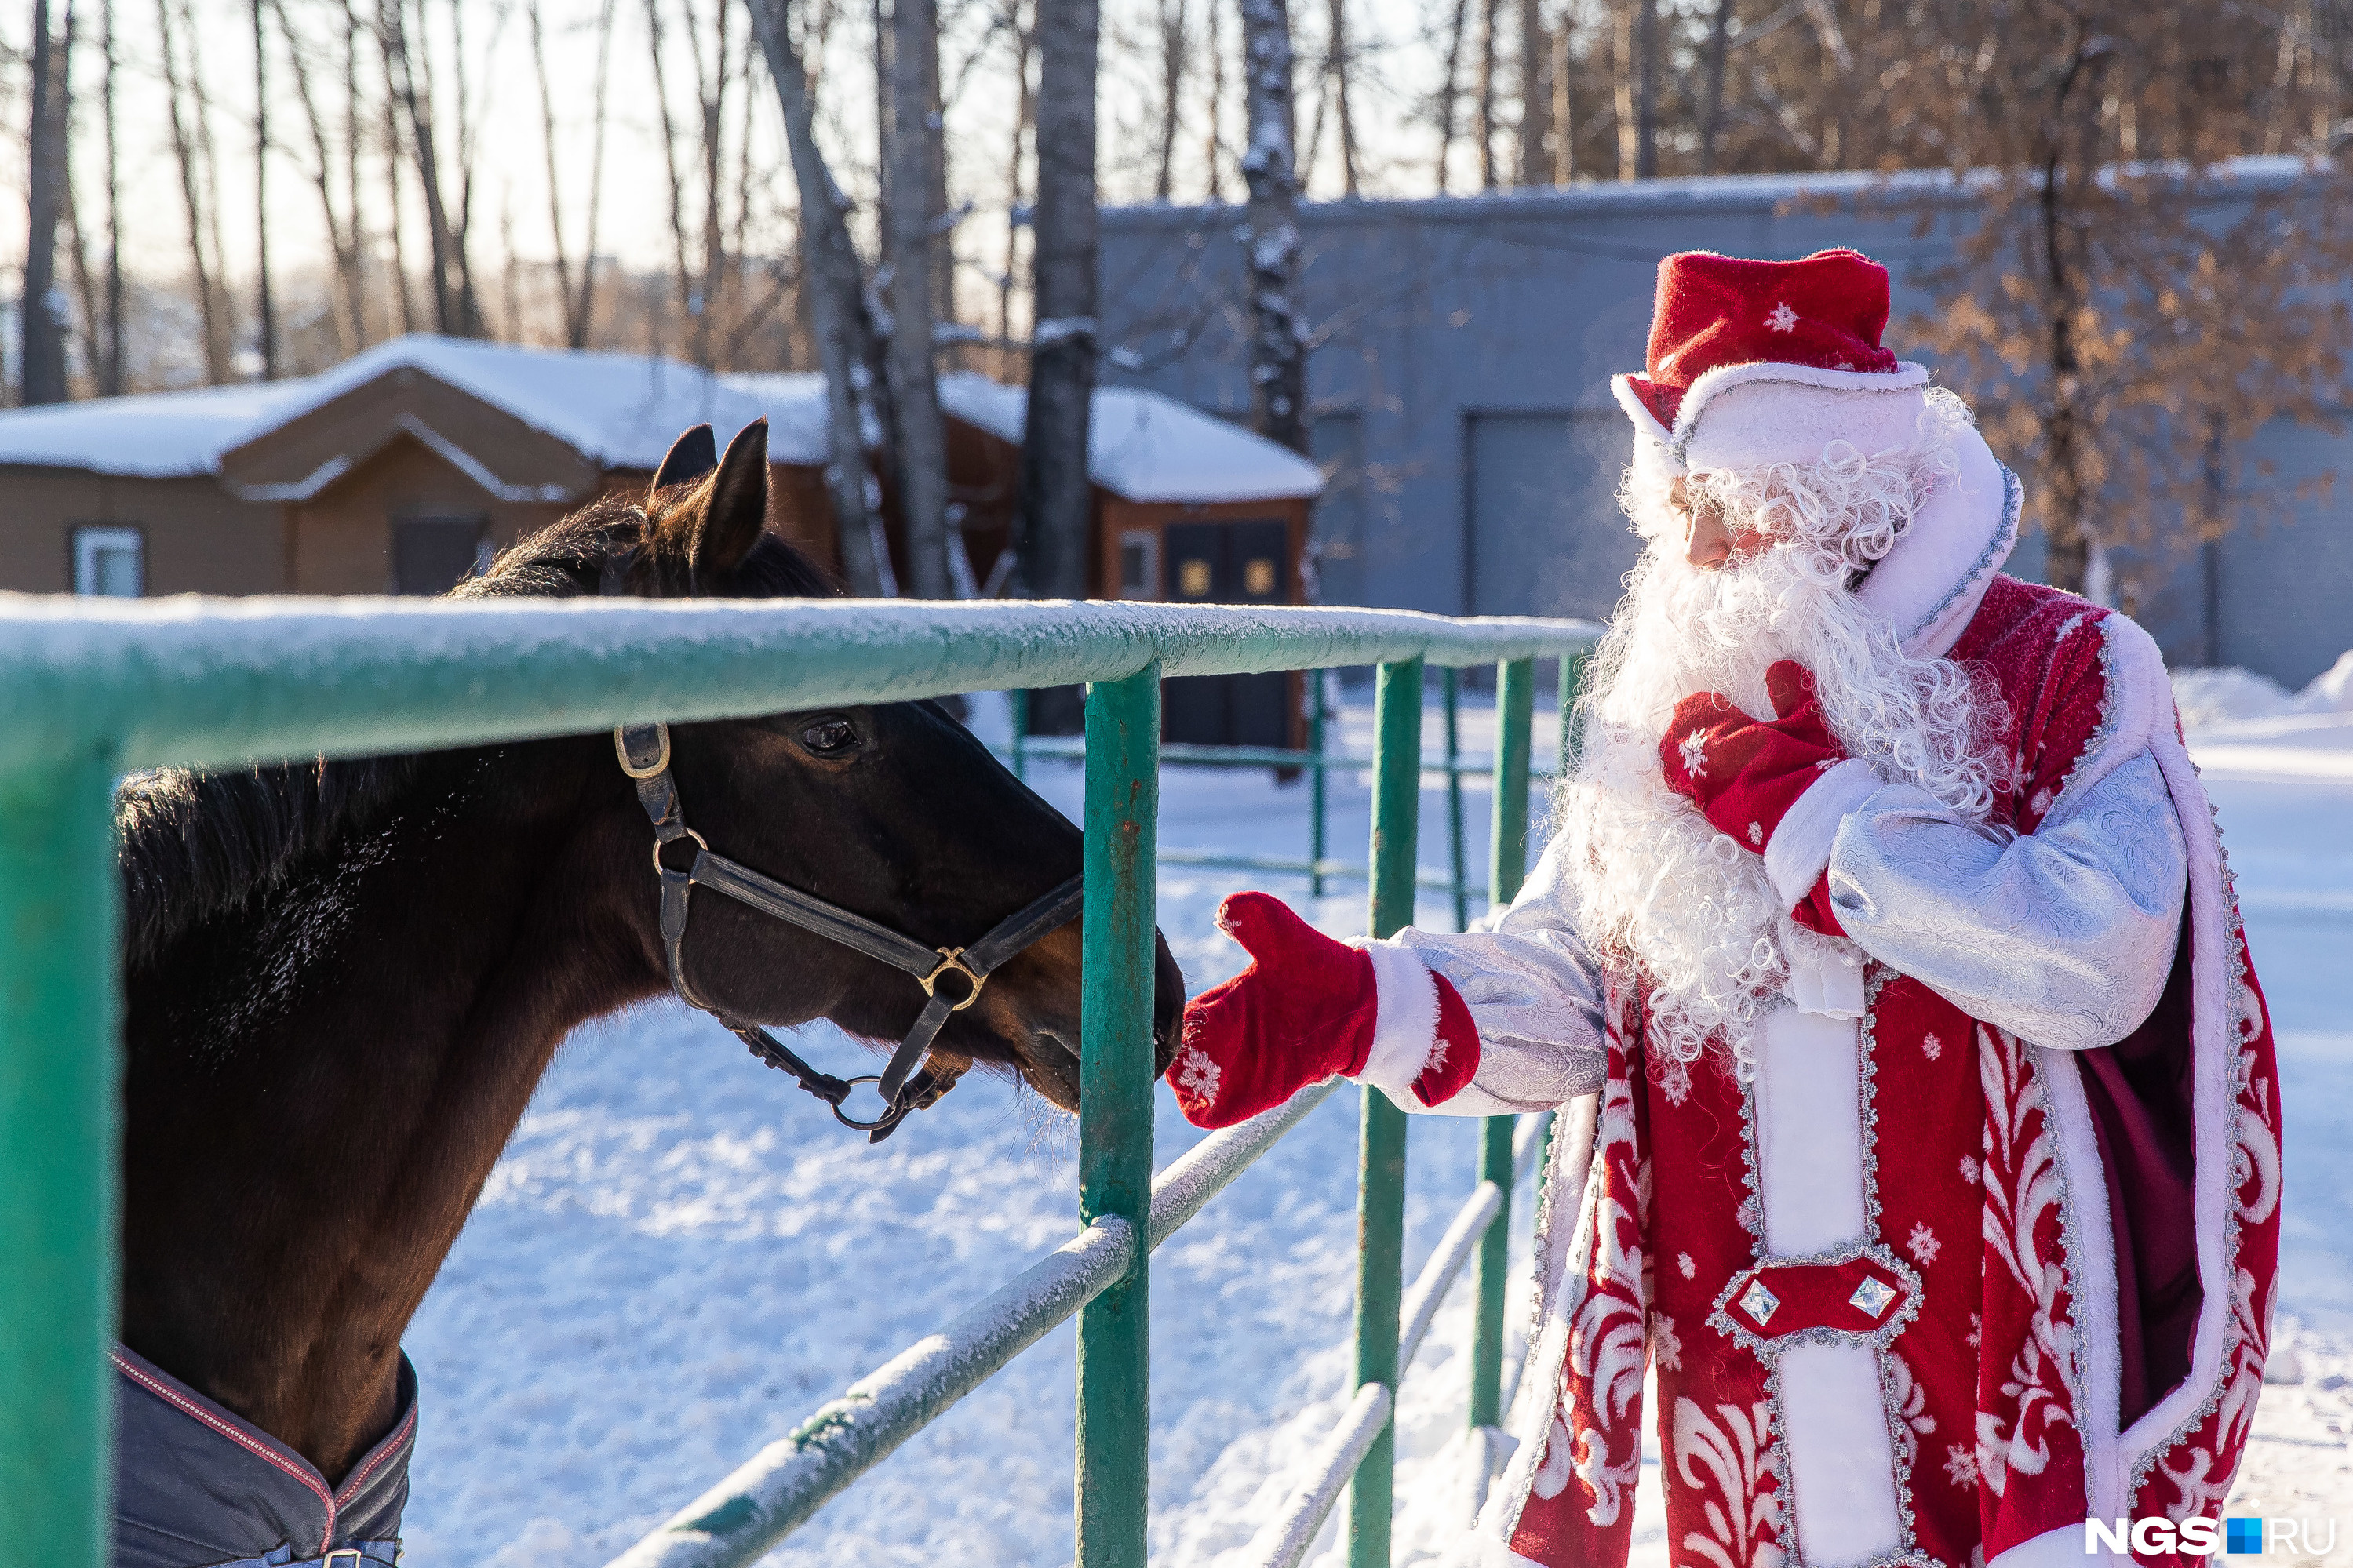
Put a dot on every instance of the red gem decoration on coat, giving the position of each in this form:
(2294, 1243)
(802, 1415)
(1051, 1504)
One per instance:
(1826, 311)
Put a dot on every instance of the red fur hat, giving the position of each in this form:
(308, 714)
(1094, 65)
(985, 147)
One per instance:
(1722, 321)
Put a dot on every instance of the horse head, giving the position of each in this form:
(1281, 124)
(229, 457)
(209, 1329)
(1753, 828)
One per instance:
(892, 811)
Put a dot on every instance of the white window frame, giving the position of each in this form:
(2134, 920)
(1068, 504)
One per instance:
(91, 541)
(1148, 539)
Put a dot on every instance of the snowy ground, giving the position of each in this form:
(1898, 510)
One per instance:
(679, 1258)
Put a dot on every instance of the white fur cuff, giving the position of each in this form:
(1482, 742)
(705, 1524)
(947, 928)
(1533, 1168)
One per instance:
(1799, 850)
(1404, 1026)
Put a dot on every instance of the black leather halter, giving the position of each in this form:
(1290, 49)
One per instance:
(644, 751)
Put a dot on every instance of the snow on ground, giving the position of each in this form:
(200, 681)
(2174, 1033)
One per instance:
(679, 1256)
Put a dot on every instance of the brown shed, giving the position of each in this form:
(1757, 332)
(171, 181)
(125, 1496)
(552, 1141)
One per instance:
(392, 473)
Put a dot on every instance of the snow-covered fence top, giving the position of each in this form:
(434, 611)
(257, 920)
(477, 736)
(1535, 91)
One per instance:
(215, 681)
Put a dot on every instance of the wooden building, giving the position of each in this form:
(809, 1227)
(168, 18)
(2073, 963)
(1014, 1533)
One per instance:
(398, 469)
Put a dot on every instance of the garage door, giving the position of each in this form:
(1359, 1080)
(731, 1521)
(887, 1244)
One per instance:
(1545, 536)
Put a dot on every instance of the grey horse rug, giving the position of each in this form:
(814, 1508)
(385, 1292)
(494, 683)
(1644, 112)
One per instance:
(195, 1486)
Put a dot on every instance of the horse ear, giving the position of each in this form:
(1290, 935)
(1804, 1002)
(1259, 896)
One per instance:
(736, 508)
(692, 456)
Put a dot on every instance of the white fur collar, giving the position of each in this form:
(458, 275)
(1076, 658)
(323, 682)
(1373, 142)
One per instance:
(1930, 585)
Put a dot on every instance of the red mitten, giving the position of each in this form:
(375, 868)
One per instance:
(1307, 1009)
(1744, 773)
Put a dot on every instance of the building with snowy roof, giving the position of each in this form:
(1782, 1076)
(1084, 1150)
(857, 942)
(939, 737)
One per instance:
(398, 469)
(1459, 375)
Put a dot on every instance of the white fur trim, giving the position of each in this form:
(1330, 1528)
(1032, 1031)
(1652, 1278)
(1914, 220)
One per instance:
(2061, 1548)
(1404, 1026)
(1646, 424)
(1930, 585)
(1827, 982)
(2094, 1277)
(1757, 420)
(1809, 1133)
(2213, 1061)
(1841, 1459)
(1799, 850)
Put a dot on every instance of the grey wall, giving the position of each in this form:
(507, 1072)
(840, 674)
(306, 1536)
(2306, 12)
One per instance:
(1460, 374)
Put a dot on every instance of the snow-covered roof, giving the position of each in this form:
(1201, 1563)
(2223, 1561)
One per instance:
(619, 411)
(1147, 446)
(623, 411)
(153, 435)
(1142, 446)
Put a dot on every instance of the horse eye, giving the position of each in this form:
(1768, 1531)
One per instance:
(829, 737)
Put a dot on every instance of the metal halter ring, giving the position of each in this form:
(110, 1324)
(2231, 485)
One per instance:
(892, 1115)
(953, 958)
(662, 844)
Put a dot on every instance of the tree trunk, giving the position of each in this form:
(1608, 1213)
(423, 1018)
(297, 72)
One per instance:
(715, 235)
(39, 317)
(1172, 83)
(1057, 499)
(453, 304)
(1446, 89)
(1270, 232)
(580, 311)
(554, 186)
(1340, 64)
(1646, 107)
(183, 149)
(342, 234)
(394, 228)
(1025, 46)
(836, 284)
(1719, 46)
(1535, 95)
(1623, 69)
(110, 364)
(264, 308)
(914, 380)
(682, 280)
(1490, 11)
(1213, 152)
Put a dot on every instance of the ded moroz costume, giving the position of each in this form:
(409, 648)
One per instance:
(1936, 1164)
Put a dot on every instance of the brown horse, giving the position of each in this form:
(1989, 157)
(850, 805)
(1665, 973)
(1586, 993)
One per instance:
(344, 978)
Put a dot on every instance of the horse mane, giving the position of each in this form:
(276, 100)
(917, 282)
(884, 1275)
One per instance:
(196, 843)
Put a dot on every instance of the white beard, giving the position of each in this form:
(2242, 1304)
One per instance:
(1660, 892)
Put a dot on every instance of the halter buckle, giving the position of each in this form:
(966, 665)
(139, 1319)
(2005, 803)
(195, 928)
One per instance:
(952, 958)
(630, 765)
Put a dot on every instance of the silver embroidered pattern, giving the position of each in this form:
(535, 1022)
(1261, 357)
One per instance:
(2005, 538)
(2236, 950)
(2102, 732)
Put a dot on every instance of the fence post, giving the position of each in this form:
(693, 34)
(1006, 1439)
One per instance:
(1507, 862)
(1018, 704)
(59, 1124)
(1380, 1193)
(1454, 799)
(1115, 1122)
(1315, 775)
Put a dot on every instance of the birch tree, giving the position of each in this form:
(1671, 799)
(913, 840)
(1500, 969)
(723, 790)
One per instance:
(1056, 501)
(1270, 230)
(911, 221)
(40, 318)
(835, 281)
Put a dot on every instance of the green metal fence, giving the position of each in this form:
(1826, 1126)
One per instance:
(88, 692)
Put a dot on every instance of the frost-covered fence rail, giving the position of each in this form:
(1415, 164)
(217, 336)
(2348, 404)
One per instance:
(90, 689)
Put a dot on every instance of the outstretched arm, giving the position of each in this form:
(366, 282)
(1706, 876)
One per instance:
(1472, 1024)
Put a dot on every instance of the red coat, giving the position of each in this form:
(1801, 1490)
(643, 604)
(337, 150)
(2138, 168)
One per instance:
(2061, 1307)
